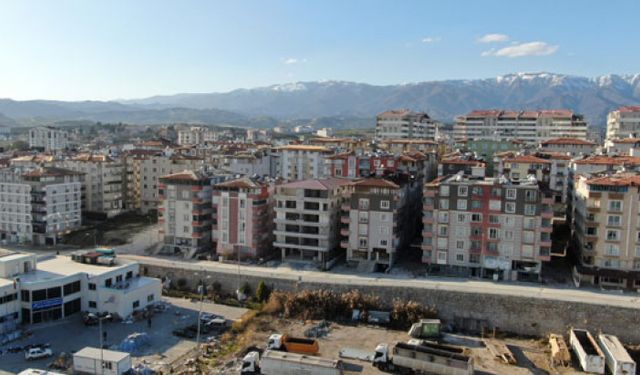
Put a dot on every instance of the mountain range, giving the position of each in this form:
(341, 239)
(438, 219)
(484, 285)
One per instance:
(345, 104)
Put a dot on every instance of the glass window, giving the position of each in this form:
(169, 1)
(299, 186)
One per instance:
(614, 220)
(510, 208)
(615, 206)
(463, 191)
(444, 190)
(511, 194)
(444, 204)
(495, 205)
(462, 204)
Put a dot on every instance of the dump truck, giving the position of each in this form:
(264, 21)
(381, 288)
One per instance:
(426, 358)
(291, 344)
(589, 354)
(617, 359)
(280, 363)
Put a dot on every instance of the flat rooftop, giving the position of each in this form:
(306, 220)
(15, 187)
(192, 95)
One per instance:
(61, 266)
(107, 355)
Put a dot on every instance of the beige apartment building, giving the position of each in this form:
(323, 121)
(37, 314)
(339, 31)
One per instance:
(48, 139)
(607, 230)
(405, 124)
(307, 218)
(300, 162)
(624, 122)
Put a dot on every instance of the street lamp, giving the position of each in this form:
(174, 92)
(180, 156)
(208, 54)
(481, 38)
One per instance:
(201, 288)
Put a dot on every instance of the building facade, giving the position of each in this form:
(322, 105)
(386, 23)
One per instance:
(531, 127)
(624, 122)
(300, 162)
(48, 139)
(569, 146)
(243, 225)
(307, 220)
(486, 228)
(405, 124)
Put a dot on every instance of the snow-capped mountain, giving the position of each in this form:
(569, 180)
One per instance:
(593, 97)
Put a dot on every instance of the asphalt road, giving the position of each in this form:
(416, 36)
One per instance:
(554, 293)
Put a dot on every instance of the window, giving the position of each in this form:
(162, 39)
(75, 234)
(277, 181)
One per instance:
(384, 205)
(129, 275)
(462, 204)
(529, 223)
(614, 220)
(529, 209)
(476, 232)
(476, 190)
(383, 243)
(613, 235)
(136, 304)
(462, 218)
(106, 364)
(476, 218)
(93, 304)
(494, 219)
(444, 204)
(460, 245)
(612, 250)
(460, 257)
(443, 230)
(444, 190)
(511, 194)
(530, 195)
(71, 288)
(495, 205)
(510, 208)
(615, 206)
(508, 234)
(92, 286)
(528, 236)
(443, 217)
(493, 233)
(442, 256)
(362, 242)
(496, 192)
(363, 204)
(442, 243)
(463, 191)
(150, 298)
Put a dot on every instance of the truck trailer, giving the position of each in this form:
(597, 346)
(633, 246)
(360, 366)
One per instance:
(617, 359)
(280, 363)
(589, 354)
(292, 344)
(426, 358)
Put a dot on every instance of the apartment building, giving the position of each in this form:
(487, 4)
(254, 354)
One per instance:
(307, 220)
(39, 205)
(489, 227)
(624, 122)
(243, 219)
(103, 183)
(185, 213)
(48, 139)
(531, 127)
(9, 296)
(487, 148)
(607, 229)
(257, 163)
(156, 166)
(59, 286)
(131, 186)
(300, 162)
(405, 124)
(380, 221)
(465, 164)
(569, 146)
(341, 144)
(400, 146)
(191, 136)
(623, 146)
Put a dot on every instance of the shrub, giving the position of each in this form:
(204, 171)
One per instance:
(262, 292)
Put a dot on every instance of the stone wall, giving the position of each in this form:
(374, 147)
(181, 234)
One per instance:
(519, 315)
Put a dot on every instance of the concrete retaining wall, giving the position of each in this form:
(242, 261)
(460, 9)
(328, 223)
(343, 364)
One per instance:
(519, 315)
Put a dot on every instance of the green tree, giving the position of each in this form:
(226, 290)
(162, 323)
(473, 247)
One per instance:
(262, 292)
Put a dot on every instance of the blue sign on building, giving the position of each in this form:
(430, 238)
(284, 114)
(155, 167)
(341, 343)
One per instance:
(46, 304)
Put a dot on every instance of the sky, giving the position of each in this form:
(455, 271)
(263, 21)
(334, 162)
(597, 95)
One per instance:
(115, 49)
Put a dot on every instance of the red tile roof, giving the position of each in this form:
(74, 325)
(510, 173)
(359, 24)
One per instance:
(182, 176)
(609, 160)
(376, 182)
(527, 159)
(318, 184)
(568, 141)
(623, 179)
(629, 108)
(242, 182)
(461, 161)
(627, 140)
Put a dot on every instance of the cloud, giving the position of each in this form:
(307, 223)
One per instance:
(523, 49)
(493, 38)
(431, 39)
(293, 60)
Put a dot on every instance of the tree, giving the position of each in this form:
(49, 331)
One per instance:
(262, 292)
(20, 146)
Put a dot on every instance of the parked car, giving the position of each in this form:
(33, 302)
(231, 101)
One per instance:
(37, 353)
(184, 332)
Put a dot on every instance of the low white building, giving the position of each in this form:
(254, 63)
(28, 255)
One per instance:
(59, 286)
(95, 361)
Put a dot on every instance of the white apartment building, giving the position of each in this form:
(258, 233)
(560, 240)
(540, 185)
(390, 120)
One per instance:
(607, 229)
(39, 205)
(300, 162)
(532, 127)
(156, 166)
(256, 163)
(55, 287)
(185, 213)
(103, 183)
(624, 122)
(191, 136)
(307, 217)
(48, 139)
(486, 228)
(405, 124)
(569, 146)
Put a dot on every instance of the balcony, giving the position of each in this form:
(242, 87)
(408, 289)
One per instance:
(427, 220)
(344, 232)
(546, 229)
(345, 219)
(430, 193)
(345, 207)
(344, 244)
(547, 200)
(545, 243)
(547, 214)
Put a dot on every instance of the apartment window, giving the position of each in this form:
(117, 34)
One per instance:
(460, 245)
(185, 229)
(462, 204)
(362, 242)
(476, 190)
(615, 206)
(383, 243)
(592, 231)
(444, 204)
(506, 249)
(462, 218)
(614, 220)
(461, 231)
(150, 298)
(493, 233)
(443, 217)
(363, 229)
(531, 195)
(444, 190)
(136, 304)
(613, 235)
(510, 207)
(363, 217)
(186, 194)
(511, 194)
(442, 243)
(496, 192)
(384, 230)
(476, 204)
(529, 209)
(363, 204)
(529, 223)
(494, 219)
(495, 205)
(384, 205)
(442, 256)
(474, 258)
(92, 286)
(443, 230)
(460, 257)
(463, 191)
(476, 232)
(476, 218)
(528, 236)
(508, 234)
(384, 218)
(93, 304)
(637, 251)
(612, 250)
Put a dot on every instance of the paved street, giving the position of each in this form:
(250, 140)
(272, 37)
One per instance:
(600, 297)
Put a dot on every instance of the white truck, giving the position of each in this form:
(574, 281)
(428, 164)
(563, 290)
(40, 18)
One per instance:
(617, 359)
(589, 354)
(282, 363)
(426, 358)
